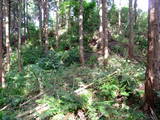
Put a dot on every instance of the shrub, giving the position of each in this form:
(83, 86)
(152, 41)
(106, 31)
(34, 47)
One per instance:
(31, 54)
(52, 60)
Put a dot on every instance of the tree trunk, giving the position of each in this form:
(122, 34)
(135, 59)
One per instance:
(131, 32)
(152, 84)
(1, 40)
(81, 33)
(40, 21)
(19, 37)
(67, 17)
(6, 2)
(9, 5)
(135, 12)
(101, 23)
(24, 17)
(119, 17)
(60, 15)
(57, 25)
(2, 80)
(103, 30)
(27, 21)
(46, 14)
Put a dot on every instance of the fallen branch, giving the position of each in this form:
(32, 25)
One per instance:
(5, 107)
(82, 88)
(33, 98)
(32, 113)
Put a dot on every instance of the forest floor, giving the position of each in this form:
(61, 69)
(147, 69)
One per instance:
(90, 92)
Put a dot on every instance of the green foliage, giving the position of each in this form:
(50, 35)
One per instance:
(31, 54)
(51, 61)
(92, 60)
(66, 102)
(72, 56)
(90, 13)
(119, 80)
(5, 116)
(113, 16)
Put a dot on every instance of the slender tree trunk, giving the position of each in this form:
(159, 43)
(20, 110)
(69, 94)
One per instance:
(60, 15)
(24, 17)
(119, 17)
(40, 21)
(19, 37)
(131, 32)
(10, 25)
(135, 12)
(7, 35)
(9, 18)
(81, 33)
(152, 84)
(27, 21)
(2, 80)
(46, 15)
(67, 17)
(57, 25)
(1, 40)
(101, 23)
(103, 30)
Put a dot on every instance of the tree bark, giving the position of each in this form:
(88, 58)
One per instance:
(1, 40)
(46, 15)
(27, 21)
(135, 12)
(67, 17)
(103, 30)
(119, 17)
(2, 80)
(152, 84)
(81, 33)
(131, 32)
(7, 35)
(24, 17)
(57, 24)
(19, 37)
(40, 8)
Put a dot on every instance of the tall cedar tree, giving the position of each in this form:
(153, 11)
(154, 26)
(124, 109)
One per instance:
(2, 82)
(103, 30)
(152, 84)
(39, 2)
(119, 17)
(131, 32)
(7, 35)
(46, 17)
(19, 36)
(57, 23)
(135, 11)
(27, 20)
(81, 33)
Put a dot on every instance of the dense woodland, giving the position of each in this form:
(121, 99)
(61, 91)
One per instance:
(79, 60)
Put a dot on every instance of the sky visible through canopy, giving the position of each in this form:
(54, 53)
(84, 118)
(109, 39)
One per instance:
(142, 4)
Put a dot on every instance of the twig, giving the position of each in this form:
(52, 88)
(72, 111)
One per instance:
(38, 109)
(5, 107)
(33, 98)
(81, 89)
(153, 115)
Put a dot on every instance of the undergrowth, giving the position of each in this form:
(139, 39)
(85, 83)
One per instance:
(100, 93)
